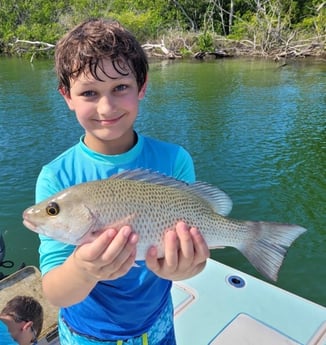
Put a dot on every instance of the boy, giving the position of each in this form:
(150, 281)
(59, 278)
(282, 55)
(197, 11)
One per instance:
(21, 321)
(102, 72)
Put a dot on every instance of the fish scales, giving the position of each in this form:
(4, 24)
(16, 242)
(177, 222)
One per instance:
(152, 203)
(151, 209)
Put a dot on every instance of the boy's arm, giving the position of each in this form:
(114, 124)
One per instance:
(69, 274)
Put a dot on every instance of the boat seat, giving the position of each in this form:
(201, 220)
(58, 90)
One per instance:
(244, 330)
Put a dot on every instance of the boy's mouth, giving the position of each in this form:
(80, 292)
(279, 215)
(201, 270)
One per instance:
(109, 122)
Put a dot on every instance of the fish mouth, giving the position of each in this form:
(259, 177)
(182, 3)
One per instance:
(29, 224)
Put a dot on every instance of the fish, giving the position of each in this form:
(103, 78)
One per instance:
(152, 203)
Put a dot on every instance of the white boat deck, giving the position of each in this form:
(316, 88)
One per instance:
(213, 308)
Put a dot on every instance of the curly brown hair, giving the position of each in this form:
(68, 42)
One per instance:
(25, 308)
(83, 49)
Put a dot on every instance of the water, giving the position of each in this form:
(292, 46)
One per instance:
(255, 129)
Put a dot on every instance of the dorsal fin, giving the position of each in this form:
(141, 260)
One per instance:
(219, 201)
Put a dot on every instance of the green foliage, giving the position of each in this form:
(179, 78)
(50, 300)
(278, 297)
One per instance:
(144, 26)
(150, 20)
(242, 27)
(205, 42)
(314, 23)
(185, 52)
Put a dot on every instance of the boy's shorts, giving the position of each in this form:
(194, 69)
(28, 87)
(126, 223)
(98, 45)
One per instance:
(161, 333)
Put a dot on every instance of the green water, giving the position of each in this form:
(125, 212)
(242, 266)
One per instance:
(255, 129)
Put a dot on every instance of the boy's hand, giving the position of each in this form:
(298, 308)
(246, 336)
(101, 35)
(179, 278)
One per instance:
(186, 253)
(109, 256)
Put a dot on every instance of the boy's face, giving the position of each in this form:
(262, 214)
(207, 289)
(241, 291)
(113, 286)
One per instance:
(106, 109)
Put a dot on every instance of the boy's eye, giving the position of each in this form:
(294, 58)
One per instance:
(88, 93)
(121, 87)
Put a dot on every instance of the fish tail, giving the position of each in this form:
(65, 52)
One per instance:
(268, 246)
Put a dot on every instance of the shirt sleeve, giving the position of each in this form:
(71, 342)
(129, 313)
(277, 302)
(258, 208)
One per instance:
(5, 335)
(52, 253)
(46, 185)
(184, 166)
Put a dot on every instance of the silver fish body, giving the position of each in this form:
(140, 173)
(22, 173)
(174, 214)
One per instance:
(152, 203)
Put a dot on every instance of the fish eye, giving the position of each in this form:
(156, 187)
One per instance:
(52, 209)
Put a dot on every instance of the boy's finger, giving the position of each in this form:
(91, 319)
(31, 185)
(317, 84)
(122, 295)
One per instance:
(93, 250)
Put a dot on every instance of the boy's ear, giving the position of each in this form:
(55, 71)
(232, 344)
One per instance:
(62, 90)
(142, 91)
(27, 325)
(66, 95)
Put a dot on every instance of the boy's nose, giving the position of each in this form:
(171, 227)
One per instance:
(105, 105)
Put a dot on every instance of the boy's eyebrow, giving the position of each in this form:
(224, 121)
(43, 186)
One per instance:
(87, 80)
